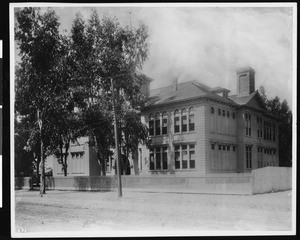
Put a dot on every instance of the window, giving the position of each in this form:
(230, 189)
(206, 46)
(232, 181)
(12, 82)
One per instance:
(176, 121)
(191, 119)
(151, 125)
(183, 120)
(177, 157)
(228, 148)
(157, 124)
(268, 130)
(213, 146)
(220, 147)
(192, 156)
(212, 110)
(228, 114)
(158, 158)
(185, 156)
(165, 158)
(249, 157)
(151, 157)
(224, 147)
(164, 123)
(77, 154)
(223, 113)
(233, 115)
(219, 112)
(259, 127)
(233, 148)
(248, 124)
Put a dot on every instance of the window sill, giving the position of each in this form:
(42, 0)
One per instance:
(185, 170)
(190, 132)
(165, 170)
(161, 135)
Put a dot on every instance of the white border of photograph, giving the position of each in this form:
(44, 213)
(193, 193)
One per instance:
(1, 175)
(149, 233)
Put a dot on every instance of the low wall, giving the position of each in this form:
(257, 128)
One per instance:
(213, 183)
(271, 179)
(262, 180)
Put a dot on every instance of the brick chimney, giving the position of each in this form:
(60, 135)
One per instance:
(245, 81)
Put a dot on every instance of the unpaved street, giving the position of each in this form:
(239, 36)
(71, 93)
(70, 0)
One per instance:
(60, 211)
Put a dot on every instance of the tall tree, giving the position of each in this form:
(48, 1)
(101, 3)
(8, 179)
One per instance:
(106, 50)
(38, 82)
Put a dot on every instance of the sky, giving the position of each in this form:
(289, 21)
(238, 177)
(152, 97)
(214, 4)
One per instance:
(208, 44)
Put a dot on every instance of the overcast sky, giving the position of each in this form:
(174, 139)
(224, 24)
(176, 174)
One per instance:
(209, 43)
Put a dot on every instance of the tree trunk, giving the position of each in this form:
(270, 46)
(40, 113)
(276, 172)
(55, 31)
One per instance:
(65, 168)
(42, 180)
(66, 159)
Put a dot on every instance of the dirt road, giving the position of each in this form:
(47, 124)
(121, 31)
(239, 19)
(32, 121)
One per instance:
(144, 212)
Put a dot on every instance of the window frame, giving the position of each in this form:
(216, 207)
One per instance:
(164, 125)
(184, 115)
(248, 152)
(177, 116)
(157, 128)
(151, 125)
(183, 156)
(191, 114)
(160, 158)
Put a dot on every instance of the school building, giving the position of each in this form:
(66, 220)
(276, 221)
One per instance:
(195, 130)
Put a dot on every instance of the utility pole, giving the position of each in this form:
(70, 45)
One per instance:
(117, 142)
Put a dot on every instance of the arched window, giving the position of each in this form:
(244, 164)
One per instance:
(183, 120)
(191, 119)
(151, 125)
(164, 123)
(157, 124)
(176, 121)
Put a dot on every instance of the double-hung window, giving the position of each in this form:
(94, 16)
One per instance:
(151, 125)
(157, 124)
(248, 124)
(184, 156)
(191, 119)
(176, 121)
(184, 120)
(158, 158)
(164, 123)
(248, 156)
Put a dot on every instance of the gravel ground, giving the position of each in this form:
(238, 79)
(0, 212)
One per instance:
(143, 213)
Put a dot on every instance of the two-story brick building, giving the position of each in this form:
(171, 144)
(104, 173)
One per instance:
(195, 129)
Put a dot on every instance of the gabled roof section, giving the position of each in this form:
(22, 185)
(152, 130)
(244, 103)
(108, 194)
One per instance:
(184, 91)
(253, 100)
